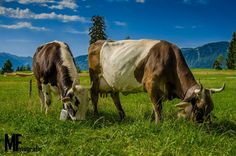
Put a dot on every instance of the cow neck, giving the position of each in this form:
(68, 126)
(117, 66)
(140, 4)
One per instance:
(187, 84)
(185, 76)
(65, 81)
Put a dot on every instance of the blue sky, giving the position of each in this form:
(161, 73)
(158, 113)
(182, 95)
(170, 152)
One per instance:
(26, 24)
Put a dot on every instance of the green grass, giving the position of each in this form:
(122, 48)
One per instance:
(106, 135)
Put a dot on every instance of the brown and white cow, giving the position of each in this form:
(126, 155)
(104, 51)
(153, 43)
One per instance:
(156, 67)
(54, 69)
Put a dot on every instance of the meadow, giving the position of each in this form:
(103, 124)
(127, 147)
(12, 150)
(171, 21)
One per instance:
(106, 135)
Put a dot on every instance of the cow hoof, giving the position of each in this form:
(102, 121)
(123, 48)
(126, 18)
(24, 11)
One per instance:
(122, 116)
(96, 114)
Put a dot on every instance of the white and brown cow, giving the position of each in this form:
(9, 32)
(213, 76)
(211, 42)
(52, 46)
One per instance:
(54, 69)
(156, 67)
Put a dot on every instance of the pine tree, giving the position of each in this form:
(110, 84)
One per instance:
(97, 31)
(78, 69)
(18, 68)
(218, 62)
(28, 68)
(21, 68)
(7, 67)
(231, 57)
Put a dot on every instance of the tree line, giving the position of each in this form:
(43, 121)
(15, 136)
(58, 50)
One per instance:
(8, 67)
(231, 56)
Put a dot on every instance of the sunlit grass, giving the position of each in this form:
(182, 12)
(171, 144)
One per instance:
(106, 135)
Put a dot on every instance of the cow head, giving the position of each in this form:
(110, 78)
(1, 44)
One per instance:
(76, 101)
(198, 109)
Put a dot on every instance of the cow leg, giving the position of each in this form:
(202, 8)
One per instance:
(116, 100)
(47, 96)
(94, 98)
(153, 115)
(157, 107)
(154, 93)
(40, 94)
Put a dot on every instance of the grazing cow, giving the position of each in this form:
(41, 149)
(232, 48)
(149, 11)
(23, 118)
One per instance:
(156, 67)
(55, 70)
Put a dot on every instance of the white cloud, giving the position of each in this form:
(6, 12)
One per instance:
(117, 0)
(27, 13)
(73, 31)
(187, 27)
(140, 1)
(31, 1)
(22, 25)
(137, 1)
(19, 40)
(119, 23)
(179, 27)
(204, 2)
(196, 26)
(71, 4)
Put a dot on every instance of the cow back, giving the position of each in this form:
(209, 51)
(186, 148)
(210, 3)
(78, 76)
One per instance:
(119, 60)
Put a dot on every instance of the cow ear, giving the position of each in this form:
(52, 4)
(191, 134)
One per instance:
(74, 85)
(183, 105)
(198, 91)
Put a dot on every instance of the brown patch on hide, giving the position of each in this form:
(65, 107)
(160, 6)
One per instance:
(94, 54)
(94, 71)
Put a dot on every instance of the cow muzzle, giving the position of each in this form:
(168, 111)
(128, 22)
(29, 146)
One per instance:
(68, 111)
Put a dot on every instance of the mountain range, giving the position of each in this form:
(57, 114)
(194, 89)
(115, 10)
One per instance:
(16, 61)
(199, 57)
(204, 56)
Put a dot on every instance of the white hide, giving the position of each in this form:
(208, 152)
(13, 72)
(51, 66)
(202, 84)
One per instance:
(119, 60)
(46, 92)
(68, 60)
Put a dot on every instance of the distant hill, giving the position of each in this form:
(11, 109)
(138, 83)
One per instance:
(200, 57)
(204, 56)
(82, 62)
(16, 60)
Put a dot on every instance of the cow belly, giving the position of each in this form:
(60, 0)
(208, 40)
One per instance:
(120, 86)
(119, 61)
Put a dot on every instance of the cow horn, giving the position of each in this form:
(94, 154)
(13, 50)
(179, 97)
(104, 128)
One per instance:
(197, 91)
(182, 105)
(217, 90)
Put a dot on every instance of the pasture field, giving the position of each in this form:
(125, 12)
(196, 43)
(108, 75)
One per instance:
(106, 135)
